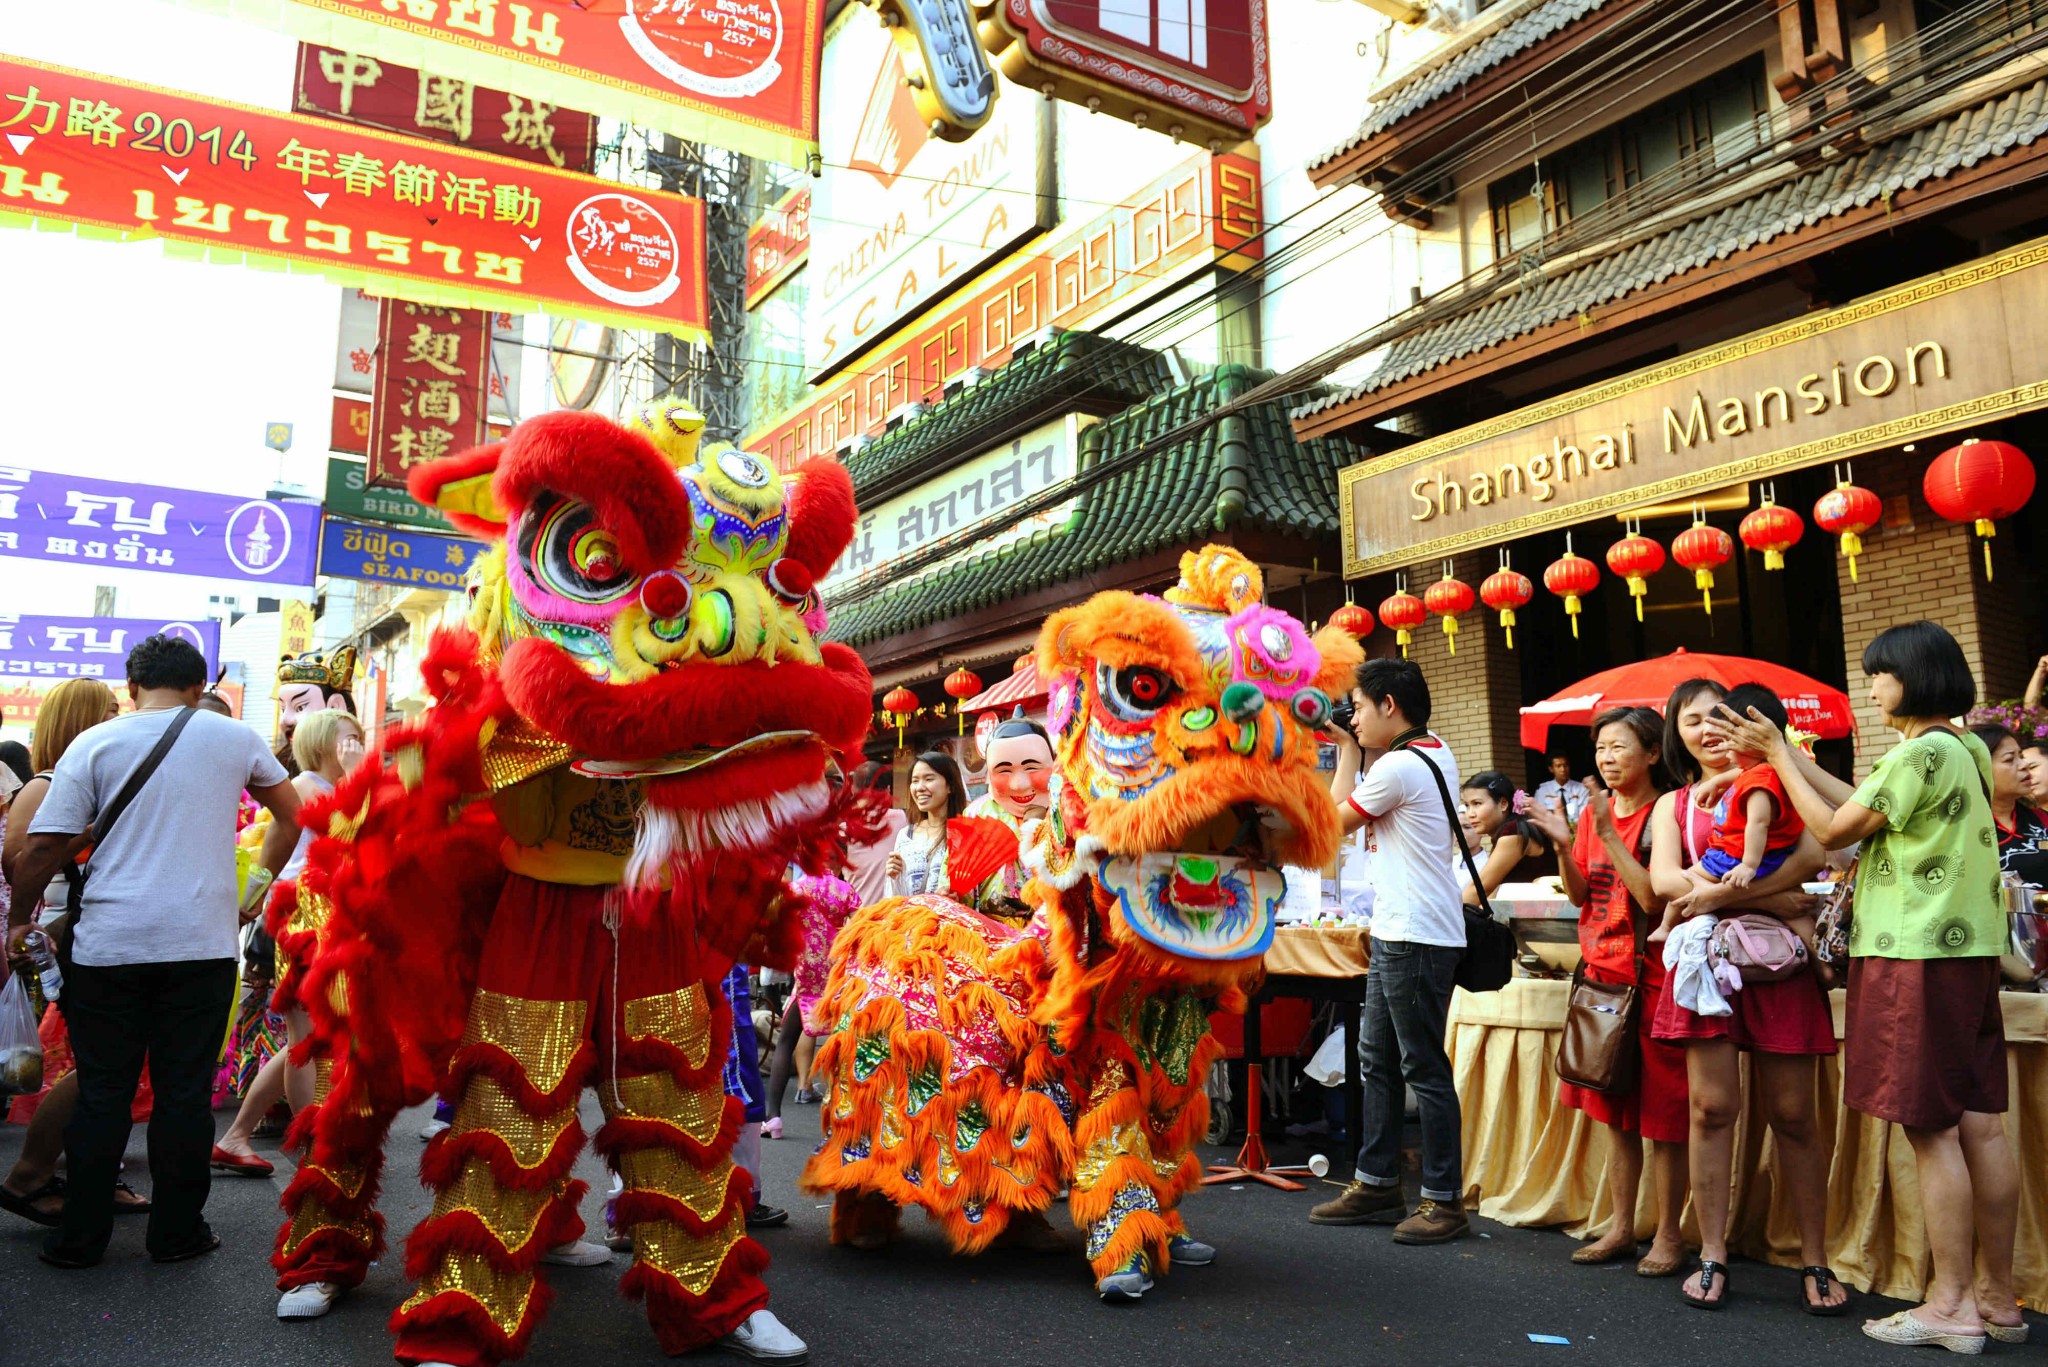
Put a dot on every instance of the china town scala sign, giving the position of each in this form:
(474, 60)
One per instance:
(1195, 69)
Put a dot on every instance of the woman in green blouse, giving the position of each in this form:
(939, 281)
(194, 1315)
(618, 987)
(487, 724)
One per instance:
(1924, 1041)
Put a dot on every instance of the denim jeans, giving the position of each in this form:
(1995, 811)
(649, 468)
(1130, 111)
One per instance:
(1407, 998)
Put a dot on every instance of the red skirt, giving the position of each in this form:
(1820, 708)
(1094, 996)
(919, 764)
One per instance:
(1925, 1040)
(1659, 1107)
(1790, 1016)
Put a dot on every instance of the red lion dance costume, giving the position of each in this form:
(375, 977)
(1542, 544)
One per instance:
(976, 1067)
(541, 884)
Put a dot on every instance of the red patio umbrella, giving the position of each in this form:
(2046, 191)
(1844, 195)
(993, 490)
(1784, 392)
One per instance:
(1811, 705)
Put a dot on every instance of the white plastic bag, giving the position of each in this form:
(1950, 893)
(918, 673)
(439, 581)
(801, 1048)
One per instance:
(21, 1048)
(1327, 1065)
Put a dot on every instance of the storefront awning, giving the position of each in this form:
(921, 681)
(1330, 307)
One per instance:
(1023, 686)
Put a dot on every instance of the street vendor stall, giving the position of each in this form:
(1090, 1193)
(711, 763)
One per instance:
(1530, 1161)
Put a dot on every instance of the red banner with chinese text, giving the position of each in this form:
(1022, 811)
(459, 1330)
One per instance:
(403, 217)
(429, 402)
(1207, 210)
(360, 89)
(350, 431)
(740, 74)
(778, 244)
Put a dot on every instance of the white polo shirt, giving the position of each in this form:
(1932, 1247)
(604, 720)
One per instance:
(1415, 894)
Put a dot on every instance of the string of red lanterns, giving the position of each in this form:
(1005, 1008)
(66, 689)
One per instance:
(1505, 590)
(1635, 558)
(1773, 529)
(1846, 512)
(1571, 578)
(1404, 612)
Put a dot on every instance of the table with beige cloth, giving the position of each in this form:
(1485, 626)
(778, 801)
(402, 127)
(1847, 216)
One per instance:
(1532, 1161)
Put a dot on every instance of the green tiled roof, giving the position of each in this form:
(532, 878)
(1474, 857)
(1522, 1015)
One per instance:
(1168, 499)
(1072, 371)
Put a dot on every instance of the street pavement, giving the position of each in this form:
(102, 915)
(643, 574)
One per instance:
(1282, 1292)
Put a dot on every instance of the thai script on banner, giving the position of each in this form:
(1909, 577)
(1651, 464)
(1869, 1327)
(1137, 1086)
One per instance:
(140, 526)
(430, 222)
(350, 550)
(92, 647)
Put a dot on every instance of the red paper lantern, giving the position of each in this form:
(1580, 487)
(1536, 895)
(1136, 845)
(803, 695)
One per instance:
(902, 704)
(1773, 529)
(1703, 549)
(1571, 578)
(1980, 481)
(1635, 558)
(1403, 612)
(1505, 590)
(961, 685)
(1353, 619)
(1847, 511)
(1448, 597)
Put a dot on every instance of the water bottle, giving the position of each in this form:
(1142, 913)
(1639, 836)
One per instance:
(45, 960)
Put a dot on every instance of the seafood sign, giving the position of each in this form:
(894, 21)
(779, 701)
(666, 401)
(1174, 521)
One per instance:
(350, 550)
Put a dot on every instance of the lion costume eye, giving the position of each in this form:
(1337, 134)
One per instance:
(1134, 693)
(566, 554)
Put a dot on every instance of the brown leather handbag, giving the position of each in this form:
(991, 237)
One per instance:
(1600, 1049)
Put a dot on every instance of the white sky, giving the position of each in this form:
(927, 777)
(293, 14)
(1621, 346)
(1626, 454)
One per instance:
(118, 363)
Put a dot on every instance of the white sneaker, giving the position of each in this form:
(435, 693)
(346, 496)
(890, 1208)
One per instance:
(577, 1253)
(308, 1302)
(432, 1128)
(764, 1339)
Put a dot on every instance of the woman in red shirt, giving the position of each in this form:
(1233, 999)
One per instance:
(1608, 877)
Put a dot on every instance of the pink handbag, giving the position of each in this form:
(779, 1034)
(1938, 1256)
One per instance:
(1763, 948)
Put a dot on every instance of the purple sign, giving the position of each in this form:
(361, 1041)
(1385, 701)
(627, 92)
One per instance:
(170, 531)
(91, 647)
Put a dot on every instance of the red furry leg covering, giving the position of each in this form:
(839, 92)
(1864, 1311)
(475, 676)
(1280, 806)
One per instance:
(669, 1133)
(332, 1231)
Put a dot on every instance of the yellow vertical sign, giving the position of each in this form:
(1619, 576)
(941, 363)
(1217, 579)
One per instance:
(295, 631)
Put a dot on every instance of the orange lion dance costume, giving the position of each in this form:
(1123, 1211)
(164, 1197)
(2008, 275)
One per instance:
(977, 1068)
(539, 886)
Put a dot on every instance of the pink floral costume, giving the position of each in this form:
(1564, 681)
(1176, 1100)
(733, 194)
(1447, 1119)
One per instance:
(833, 901)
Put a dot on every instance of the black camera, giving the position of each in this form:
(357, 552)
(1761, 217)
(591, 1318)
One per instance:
(1341, 713)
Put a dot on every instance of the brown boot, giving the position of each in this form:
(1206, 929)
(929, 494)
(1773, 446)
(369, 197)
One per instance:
(1362, 1204)
(1434, 1222)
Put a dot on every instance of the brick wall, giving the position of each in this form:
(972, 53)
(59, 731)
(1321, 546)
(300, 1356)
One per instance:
(1917, 565)
(1477, 692)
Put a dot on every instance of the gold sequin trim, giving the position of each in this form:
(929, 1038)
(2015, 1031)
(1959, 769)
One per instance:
(1113, 1078)
(348, 1181)
(310, 913)
(655, 1096)
(487, 1106)
(668, 1247)
(337, 994)
(341, 827)
(313, 1216)
(323, 1081)
(1123, 1141)
(668, 1173)
(521, 752)
(680, 1018)
(512, 1217)
(411, 763)
(542, 1035)
(504, 1296)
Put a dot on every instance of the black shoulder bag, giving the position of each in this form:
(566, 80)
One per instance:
(1489, 958)
(103, 824)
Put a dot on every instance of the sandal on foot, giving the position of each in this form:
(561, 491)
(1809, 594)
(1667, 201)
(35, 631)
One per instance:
(1907, 1332)
(1592, 1255)
(25, 1206)
(136, 1207)
(1708, 1272)
(1823, 1278)
(2007, 1333)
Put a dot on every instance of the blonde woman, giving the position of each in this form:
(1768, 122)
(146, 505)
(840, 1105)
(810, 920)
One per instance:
(326, 746)
(32, 1189)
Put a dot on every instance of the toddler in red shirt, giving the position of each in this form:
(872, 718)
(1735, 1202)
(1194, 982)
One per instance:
(1755, 827)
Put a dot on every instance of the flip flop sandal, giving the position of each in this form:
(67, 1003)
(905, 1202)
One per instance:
(1708, 1272)
(1907, 1332)
(1823, 1279)
(25, 1206)
(135, 1207)
(1589, 1257)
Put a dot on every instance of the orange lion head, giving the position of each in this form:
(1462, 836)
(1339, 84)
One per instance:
(1185, 729)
